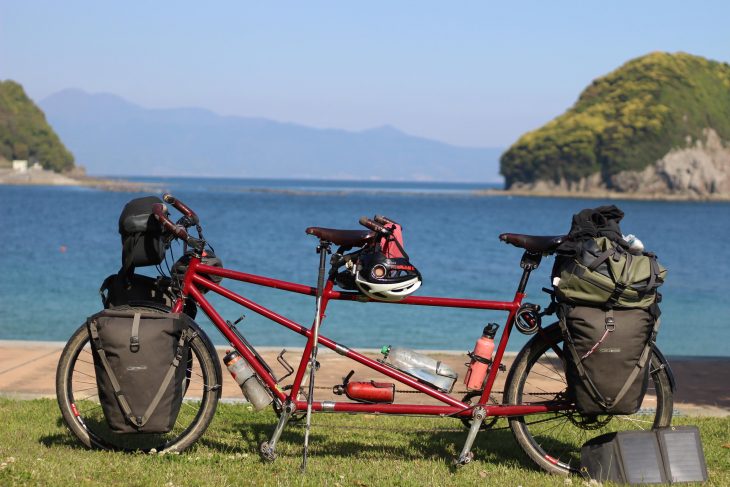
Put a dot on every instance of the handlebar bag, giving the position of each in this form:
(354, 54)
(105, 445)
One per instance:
(140, 360)
(142, 235)
(607, 354)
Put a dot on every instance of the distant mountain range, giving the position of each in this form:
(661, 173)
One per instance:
(109, 135)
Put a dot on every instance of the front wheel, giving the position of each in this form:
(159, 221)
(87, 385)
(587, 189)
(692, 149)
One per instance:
(78, 398)
(553, 440)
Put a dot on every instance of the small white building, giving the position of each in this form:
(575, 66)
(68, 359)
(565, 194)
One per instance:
(20, 166)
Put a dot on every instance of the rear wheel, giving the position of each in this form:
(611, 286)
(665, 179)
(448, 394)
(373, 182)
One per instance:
(553, 440)
(78, 398)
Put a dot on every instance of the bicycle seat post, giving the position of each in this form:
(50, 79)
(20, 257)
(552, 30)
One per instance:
(322, 249)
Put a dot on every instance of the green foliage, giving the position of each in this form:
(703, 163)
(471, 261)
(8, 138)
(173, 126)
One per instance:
(626, 120)
(25, 134)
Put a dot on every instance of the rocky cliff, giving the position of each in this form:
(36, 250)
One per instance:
(659, 125)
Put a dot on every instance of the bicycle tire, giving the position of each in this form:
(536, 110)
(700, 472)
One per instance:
(77, 396)
(553, 440)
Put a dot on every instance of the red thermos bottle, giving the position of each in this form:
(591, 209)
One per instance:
(481, 358)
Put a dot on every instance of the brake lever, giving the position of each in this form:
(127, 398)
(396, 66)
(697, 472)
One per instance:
(185, 221)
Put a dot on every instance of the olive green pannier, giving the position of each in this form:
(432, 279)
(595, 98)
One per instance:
(605, 274)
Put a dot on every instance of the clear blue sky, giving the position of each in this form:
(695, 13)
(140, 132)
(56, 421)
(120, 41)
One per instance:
(467, 73)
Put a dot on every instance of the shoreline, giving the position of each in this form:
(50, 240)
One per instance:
(609, 195)
(43, 177)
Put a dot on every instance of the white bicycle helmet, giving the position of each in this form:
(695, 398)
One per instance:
(384, 279)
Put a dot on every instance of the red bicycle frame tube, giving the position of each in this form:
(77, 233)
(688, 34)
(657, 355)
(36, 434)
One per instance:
(194, 279)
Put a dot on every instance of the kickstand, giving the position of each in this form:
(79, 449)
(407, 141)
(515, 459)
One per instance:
(267, 449)
(323, 250)
(467, 455)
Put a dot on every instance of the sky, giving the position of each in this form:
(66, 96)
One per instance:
(467, 73)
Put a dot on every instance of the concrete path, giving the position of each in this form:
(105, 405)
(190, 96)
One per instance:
(28, 369)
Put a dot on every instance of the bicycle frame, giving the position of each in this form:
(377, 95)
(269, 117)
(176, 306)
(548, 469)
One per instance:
(194, 278)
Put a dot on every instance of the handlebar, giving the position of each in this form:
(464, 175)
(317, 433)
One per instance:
(181, 207)
(383, 220)
(160, 211)
(376, 227)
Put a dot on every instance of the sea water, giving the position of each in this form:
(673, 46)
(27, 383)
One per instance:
(59, 243)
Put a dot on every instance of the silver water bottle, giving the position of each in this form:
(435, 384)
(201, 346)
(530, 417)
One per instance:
(245, 376)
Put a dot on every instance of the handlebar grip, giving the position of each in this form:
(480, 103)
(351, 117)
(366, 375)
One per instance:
(368, 223)
(160, 213)
(383, 220)
(181, 207)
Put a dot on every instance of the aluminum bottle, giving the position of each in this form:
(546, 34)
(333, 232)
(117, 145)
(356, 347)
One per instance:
(256, 393)
(481, 358)
(421, 366)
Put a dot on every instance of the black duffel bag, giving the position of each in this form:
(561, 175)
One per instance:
(140, 363)
(607, 354)
(135, 289)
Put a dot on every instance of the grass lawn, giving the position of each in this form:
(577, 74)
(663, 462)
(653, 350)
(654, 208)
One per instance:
(37, 449)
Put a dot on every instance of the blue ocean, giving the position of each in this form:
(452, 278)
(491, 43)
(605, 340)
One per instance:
(61, 242)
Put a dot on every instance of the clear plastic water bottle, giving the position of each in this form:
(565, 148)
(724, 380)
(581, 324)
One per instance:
(420, 366)
(245, 376)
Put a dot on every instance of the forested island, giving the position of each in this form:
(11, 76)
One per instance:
(25, 133)
(27, 137)
(657, 126)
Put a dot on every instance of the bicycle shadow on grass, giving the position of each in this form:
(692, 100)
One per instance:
(494, 446)
(65, 438)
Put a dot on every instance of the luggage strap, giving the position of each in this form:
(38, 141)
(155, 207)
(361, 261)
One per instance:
(137, 421)
(591, 387)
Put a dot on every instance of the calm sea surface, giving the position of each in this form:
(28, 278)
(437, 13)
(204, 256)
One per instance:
(60, 243)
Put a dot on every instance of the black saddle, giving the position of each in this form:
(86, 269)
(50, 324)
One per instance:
(343, 238)
(537, 244)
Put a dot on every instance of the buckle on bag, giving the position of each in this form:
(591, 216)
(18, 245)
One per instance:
(134, 344)
(610, 323)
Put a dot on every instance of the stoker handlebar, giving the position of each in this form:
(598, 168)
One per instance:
(376, 227)
(383, 220)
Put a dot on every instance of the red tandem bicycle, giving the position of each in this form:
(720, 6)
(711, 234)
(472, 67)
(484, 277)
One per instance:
(543, 420)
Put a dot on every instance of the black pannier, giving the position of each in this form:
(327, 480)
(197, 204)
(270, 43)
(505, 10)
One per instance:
(607, 354)
(608, 332)
(140, 359)
(142, 236)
